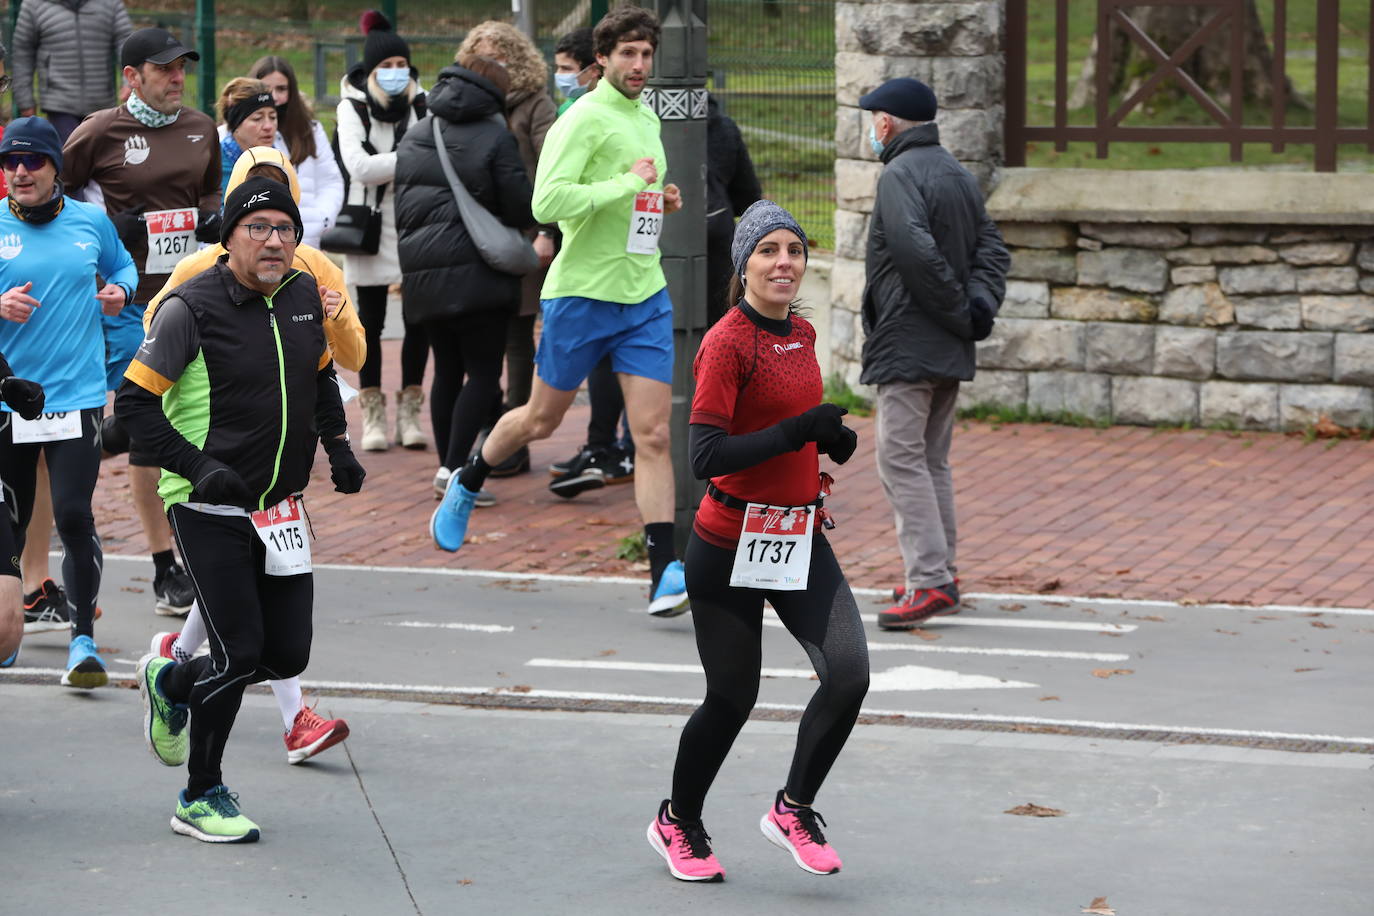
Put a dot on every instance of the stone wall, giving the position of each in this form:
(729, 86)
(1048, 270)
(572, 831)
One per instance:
(1251, 326)
(954, 47)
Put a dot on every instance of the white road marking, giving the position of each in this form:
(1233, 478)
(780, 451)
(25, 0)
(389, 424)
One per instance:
(963, 620)
(903, 677)
(1014, 653)
(871, 592)
(474, 627)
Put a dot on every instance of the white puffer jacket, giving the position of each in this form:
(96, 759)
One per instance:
(367, 173)
(322, 186)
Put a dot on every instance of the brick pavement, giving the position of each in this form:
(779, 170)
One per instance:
(1130, 512)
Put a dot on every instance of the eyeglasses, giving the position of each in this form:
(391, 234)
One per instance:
(31, 161)
(260, 232)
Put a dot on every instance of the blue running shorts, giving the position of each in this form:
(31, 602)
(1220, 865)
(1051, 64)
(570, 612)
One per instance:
(123, 336)
(578, 332)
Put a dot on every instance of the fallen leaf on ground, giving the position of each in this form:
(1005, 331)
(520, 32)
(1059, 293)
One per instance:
(1301, 670)
(1228, 632)
(1153, 618)
(605, 652)
(1043, 699)
(131, 588)
(1105, 633)
(925, 634)
(1189, 602)
(1122, 572)
(1050, 586)
(1108, 672)
(521, 688)
(1262, 617)
(1012, 607)
(1316, 623)
(1030, 809)
(465, 881)
(1099, 907)
(598, 520)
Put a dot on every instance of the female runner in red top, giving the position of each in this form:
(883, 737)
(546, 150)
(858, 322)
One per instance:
(757, 428)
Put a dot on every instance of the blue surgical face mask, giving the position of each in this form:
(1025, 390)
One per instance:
(873, 141)
(568, 85)
(393, 80)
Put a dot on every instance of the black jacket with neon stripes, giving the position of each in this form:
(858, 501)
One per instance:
(229, 374)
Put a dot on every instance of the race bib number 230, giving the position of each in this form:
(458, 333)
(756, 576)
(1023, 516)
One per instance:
(646, 222)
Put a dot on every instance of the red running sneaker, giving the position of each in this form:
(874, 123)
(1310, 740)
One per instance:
(918, 606)
(685, 846)
(162, 644)
(796, 830)
(312, 733)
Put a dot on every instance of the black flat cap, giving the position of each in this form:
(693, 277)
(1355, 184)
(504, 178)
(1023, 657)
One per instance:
(906, 98)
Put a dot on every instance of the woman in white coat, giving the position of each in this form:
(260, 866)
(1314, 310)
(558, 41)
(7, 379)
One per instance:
(379, 101)
(302, 138)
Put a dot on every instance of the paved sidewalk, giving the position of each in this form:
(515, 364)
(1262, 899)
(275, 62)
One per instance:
(1192, 516)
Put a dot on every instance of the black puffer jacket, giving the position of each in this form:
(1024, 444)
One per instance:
(442, 272)
(931, 250)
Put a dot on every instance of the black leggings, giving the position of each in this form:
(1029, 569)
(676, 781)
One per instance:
(519, 360)
(414, 347)
(259, 627)
(608, 406)
(729, 627)
(472, 347)
(73, 468)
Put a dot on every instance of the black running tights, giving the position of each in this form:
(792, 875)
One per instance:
(259, 628)
(73, 468)
(467, 379)
(608, 405)
(414, 347)
(729, 629)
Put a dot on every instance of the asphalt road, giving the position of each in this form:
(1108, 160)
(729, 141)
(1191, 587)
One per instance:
(433, 806)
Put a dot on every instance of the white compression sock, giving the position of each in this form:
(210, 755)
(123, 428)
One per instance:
(192, 634)
(288, 694)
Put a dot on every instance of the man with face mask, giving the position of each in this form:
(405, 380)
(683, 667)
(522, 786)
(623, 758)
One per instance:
(154, 165)
(575, 68)
(936, 274)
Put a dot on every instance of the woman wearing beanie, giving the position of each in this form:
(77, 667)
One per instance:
(379, 101)
(757, 429)
(302, 137)
(529, 112)
(247, 118)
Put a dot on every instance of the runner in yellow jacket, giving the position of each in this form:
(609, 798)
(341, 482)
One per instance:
(342, 330)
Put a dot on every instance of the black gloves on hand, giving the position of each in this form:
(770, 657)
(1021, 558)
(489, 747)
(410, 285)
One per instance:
(24, 396)
(218, 483)
(819, 424)
(982, 317)
(207, 227)
(129, 226)
(344, 469)
(841, 448)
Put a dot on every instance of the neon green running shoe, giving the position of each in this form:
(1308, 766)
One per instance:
(214, 818)
(164, 722)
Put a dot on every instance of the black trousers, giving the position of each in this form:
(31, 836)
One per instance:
(73, 468)
(467, 379)
(414, 346)
(259, 628)
(608, 406)
(729, 630)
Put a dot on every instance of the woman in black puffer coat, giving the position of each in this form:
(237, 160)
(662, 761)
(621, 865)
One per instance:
(463, 304)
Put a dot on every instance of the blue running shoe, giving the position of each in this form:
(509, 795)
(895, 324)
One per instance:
(449, 523)
(6, 663)
(84, 667)
(670, 597)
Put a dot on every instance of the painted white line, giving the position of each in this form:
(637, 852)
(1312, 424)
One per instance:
(936, 623)
(903, 677)
(1015, 653)
(872, 592)
(474, 627)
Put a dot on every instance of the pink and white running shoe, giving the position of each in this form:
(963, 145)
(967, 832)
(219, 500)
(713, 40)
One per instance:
(162, 644)
(796, 830)
(685, 846)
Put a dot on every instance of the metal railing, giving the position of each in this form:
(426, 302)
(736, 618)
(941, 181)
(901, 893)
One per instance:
(1228, 122)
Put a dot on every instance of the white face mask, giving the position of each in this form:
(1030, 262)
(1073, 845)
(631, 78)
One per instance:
(568, 85)
(393, 80)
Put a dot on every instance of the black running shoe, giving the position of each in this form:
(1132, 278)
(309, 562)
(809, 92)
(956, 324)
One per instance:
(46, 609)
(559, 468)
(619, 466)
(587, 472)
(174, 592)
(519, 463)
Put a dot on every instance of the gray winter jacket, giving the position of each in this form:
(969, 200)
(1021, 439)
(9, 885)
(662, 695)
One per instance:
(931, 250)
(73, 45)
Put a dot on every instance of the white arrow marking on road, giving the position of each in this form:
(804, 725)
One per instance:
(903, 677)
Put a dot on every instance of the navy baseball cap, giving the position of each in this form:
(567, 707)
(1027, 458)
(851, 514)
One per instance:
(32, 135)
(906, 98)
(153, 46)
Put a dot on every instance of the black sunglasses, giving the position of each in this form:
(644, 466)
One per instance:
(31, 161)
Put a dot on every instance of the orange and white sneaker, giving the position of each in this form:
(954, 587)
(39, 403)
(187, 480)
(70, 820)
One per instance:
(685, 846)
(311, 733)
(797, 830)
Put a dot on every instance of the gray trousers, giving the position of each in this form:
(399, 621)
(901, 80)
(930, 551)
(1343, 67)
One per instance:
(915, 426)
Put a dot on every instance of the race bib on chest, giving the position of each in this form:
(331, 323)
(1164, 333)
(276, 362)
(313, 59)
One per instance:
(774, 548)
(646, 222)
(47, 427)
(171, 236)
(282, 530)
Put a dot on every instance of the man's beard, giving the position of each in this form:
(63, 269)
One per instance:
(270, 279)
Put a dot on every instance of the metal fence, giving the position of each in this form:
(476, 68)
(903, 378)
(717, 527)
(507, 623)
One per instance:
(1226, 123)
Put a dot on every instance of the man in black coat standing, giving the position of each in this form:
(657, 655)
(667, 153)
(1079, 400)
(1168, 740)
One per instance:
(936, 275)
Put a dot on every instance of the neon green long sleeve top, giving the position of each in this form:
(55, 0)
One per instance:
(584, 183)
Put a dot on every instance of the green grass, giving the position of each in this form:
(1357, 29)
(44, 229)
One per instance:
(838, 392)
(632, 548)
(1001, 414)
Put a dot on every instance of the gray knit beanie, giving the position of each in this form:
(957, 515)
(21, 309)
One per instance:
(762, 217)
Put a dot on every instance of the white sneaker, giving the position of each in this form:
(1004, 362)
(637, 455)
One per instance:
(441, 477)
